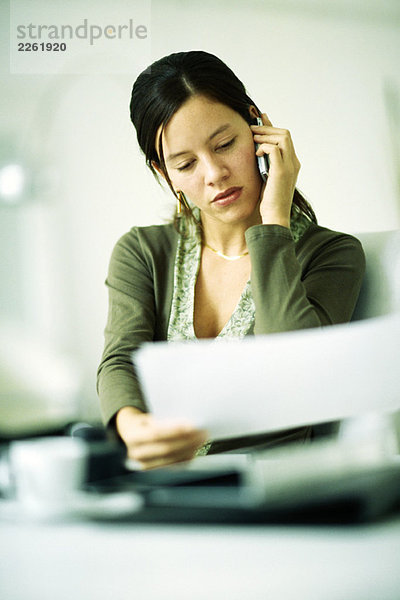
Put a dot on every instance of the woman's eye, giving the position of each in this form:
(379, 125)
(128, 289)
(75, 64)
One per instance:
(188, 165)
(185, 167)
(226, 145)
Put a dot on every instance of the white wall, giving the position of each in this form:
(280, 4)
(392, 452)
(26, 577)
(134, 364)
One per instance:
(317, 69)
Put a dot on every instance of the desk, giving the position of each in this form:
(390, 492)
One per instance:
(85, 561)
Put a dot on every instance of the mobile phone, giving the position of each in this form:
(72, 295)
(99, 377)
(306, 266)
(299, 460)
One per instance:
(262, 161)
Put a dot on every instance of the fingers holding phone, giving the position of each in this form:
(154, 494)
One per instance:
(262, 158)
(283, 169)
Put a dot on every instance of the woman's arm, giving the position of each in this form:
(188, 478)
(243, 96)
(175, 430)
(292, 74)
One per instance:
(131, 321)
(297, 286)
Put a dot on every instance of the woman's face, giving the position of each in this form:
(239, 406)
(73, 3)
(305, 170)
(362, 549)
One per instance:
(208, 151)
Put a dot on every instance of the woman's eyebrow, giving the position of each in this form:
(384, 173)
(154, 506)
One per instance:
(216, 132)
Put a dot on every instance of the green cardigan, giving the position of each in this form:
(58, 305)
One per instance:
(311, 283)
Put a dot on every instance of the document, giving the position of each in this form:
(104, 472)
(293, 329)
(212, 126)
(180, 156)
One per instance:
(271, 382)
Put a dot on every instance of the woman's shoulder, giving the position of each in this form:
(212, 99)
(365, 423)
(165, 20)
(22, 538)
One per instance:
(148, 239)
(317, 233)
(317, 239)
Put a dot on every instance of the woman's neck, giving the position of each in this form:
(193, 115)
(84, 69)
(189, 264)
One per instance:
(228, 238)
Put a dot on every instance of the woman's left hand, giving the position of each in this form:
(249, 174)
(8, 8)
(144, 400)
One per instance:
(277, 192)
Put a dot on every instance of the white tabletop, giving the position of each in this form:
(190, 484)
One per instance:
(90, 560)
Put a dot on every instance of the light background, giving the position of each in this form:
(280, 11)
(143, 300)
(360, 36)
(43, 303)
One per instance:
(328, 71)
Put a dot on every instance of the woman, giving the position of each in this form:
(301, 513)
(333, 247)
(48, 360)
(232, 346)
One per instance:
(243, 257)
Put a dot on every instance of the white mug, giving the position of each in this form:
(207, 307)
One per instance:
(48, 473)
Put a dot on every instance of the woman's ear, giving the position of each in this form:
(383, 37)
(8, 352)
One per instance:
(157, 168)
(253, 111)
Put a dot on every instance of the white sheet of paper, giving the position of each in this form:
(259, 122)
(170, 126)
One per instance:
(273, 382)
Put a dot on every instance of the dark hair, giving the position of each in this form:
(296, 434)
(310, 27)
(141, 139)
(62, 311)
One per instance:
(168, 83)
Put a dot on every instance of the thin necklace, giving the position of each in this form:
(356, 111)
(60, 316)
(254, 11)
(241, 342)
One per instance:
(222, 255)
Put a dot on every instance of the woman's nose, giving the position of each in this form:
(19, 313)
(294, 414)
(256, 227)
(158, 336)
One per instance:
(215, 170)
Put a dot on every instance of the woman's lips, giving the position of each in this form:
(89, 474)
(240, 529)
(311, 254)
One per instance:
(228, 196)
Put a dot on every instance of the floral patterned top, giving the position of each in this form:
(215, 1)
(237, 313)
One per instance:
(187, 264)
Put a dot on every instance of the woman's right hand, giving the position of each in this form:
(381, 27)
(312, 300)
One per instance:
(154, 443)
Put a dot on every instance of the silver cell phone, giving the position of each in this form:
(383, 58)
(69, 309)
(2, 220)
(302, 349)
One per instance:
(262, 161)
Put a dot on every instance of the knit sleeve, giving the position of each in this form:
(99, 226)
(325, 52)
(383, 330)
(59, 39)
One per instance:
(131, 321)
(309, 284)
